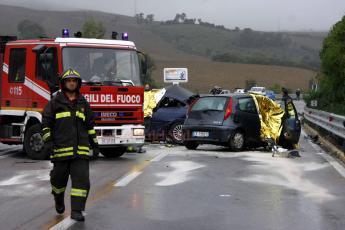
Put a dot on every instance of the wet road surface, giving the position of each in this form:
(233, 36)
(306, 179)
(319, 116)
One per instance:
(175, 188)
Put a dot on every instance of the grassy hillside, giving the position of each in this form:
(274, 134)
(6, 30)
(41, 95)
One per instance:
(205, 74)
(245, 46)
(155, 39)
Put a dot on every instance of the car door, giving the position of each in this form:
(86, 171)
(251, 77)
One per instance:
(291, 123)
(247, 116)
(40, 78)
(15, 95)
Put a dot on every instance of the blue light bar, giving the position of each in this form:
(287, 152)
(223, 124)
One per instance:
(125, 36)
(65, 33)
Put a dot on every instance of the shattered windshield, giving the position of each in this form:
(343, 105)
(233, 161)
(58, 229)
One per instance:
(99, 65)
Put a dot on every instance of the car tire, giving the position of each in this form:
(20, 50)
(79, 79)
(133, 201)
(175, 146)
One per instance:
(33, 143)
(237, 141)
(191, 145)
(175, 133)
(113, 152)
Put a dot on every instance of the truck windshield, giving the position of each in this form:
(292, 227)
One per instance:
(99, 65)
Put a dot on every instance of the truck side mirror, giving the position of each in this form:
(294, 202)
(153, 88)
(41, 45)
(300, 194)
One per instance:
(144, 67)
(47, 61)
(143, 63)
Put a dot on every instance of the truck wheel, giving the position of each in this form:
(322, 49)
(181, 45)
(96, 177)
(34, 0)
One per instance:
(175, 133)
(191, 145)
(237, 141)
(33, 143)
(113, 152)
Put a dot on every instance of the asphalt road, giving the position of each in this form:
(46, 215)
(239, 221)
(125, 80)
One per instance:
(174, 188)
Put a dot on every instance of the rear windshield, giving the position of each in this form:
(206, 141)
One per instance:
(258, 89)
(210, 103)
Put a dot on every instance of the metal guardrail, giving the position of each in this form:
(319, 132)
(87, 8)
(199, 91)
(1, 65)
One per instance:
(293, 96)
(329, 121)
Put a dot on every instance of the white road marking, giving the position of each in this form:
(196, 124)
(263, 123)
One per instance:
(6, 156)
(26, 177)
(335, 164)
(124, 181)
(291, 177)
(65, 223)
(180, 174)
(127, 179)
(225, 195)
(159, 157)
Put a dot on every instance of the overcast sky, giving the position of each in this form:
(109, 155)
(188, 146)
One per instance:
(257, 14)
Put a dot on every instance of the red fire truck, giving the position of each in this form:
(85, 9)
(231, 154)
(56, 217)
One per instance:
(111, 70)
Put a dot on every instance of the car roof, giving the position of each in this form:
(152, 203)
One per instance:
(234, 95)
(179, 93)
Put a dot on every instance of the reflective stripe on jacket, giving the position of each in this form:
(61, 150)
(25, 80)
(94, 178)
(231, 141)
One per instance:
(70, 127)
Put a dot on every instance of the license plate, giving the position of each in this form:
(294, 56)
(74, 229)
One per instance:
(107, 140)
(200, 134)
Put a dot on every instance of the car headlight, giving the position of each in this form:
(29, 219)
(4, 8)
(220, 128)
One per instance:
(138, 132)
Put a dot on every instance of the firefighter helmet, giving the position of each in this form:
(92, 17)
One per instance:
(68, 74)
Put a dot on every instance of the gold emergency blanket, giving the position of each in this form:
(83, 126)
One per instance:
(151, 99)
(270, 115)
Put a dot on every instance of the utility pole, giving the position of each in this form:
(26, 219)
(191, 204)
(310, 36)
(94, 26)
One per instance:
(135, 7)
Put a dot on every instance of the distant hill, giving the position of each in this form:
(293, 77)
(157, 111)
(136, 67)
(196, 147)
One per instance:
(245, 46)
(189, 46)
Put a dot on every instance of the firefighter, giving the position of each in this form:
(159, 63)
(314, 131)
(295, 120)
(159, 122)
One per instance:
(285, 94)
(68, 133)
(298, 94)
(287, 103)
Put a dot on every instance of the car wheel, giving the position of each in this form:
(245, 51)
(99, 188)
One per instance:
(191, 145)
(175, 133)
(237, 141)
(33, 143)
(113, 152)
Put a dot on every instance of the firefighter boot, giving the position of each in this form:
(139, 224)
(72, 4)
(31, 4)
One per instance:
(77, 215)
(59, 204)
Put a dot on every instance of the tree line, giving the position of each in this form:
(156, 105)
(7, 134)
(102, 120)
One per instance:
(331, 78)
(142, 19)
(180, 18)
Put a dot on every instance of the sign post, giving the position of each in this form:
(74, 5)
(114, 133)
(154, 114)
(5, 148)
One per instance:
(175, 75)
(313, 103)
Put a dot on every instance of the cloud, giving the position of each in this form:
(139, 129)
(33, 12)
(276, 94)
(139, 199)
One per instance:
(256, 14)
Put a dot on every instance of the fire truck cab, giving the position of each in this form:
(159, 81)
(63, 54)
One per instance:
(111, 70)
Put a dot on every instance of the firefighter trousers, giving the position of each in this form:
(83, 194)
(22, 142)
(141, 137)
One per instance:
(78, 169)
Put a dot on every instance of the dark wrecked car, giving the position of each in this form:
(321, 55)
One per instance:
(240, 120)
(168, 116)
